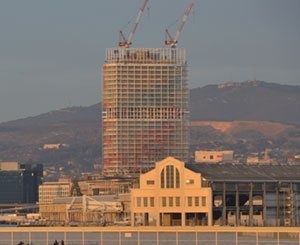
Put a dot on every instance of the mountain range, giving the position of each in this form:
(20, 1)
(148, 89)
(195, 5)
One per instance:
(219, 113)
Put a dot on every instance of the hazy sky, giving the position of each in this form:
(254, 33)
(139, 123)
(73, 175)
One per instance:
(51, 51)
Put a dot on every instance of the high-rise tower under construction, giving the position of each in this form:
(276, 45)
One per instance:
(145, 108)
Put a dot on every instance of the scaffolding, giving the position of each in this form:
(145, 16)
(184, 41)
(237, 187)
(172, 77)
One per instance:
(145, 108)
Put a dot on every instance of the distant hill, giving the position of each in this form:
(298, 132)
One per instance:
(251, 100)
(223, 116)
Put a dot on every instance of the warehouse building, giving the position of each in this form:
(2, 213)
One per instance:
(174, 193)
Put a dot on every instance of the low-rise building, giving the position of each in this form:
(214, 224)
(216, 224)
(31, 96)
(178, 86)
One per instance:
(213, 156)
(48, 191)
(84, 210)
(54, 146)
(175, 193)
(171, 195)
(106, 185)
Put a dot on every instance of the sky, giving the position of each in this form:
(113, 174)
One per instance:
(51, 51)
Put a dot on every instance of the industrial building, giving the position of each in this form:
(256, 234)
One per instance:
(19, 182)
(174, 193)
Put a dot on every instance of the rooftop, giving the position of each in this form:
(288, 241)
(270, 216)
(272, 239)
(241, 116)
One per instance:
(243, 172)
(146, 55)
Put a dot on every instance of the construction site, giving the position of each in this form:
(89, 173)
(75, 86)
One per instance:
(145, 103)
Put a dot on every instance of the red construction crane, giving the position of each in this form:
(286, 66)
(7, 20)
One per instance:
(172, 41)
(126, 42)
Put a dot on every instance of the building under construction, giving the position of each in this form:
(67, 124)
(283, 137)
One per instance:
(145, 107)
(145, 103)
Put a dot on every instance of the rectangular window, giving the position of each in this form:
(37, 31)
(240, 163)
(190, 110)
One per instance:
(150, 182)
(164, 201)
(197, 201)
(190, 201)
(145, 201)
(177, 201)
(189, 181)
(138, 202)
(151, 201)
(170, 201)
(203, 201)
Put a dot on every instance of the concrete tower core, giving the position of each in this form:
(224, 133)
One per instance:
(145, 108)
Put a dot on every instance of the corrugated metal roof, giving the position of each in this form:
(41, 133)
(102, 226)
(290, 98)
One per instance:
(243, 172)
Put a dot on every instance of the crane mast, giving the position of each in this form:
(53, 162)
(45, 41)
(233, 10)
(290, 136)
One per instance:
(126, 42)
(172, 41)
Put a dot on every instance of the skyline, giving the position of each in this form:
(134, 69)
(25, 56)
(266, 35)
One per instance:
(55, 62)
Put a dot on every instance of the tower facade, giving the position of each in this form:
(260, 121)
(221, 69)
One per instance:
(145, 108)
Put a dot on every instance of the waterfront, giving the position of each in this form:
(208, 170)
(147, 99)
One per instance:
(149, 235)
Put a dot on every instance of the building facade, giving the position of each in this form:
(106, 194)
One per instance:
(145, 108)
(106, 186)
(253, 195)
(19, 182)
(174, 193)
(171, 195)
(86, 210)
(50, 190)
(213, 156)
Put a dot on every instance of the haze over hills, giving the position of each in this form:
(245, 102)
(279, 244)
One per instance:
(242, 105)
(251, 100)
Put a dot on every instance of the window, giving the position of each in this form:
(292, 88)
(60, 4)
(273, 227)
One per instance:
(177, 178)
(190, 201)
(162, 179)
(150, 182)
(151, 201)
(177, 201)
(197, 201)
(138, 202)
(164, 201)
(203, 201)
(145, 201)
(170, 177)
(170, 201)
(189, 181)
(211, 157)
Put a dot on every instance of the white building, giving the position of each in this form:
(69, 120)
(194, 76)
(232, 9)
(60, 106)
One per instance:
(213, 156)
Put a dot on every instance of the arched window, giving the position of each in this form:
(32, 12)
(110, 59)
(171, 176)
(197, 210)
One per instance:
(177, 178)
(170, 177)
(162, 179)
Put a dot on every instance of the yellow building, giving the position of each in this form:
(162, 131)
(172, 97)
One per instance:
(84, 210)
(171, 195)
(50, 190)
(105, 186)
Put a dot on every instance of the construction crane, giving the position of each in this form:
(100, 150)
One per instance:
(172, 41)
(126, 42)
